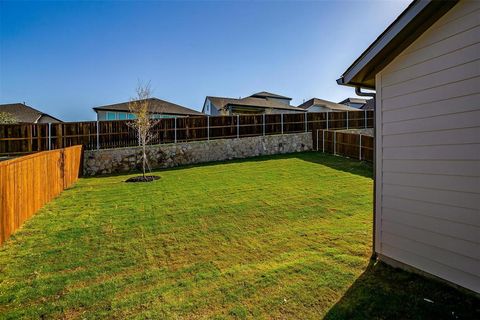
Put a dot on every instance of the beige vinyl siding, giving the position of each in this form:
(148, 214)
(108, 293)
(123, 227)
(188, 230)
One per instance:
(428, 151)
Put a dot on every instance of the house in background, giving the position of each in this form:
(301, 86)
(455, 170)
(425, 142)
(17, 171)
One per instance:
(369, 106)
(258, 103)
(320, 105)
(26, 114)
(158, 108)
(425, 69)
(354, 102)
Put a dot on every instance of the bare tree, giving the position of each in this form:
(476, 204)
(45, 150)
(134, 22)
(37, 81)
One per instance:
(7, 118)
(143, 123)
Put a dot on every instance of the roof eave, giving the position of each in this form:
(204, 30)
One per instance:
(413, 21)
(341, 81)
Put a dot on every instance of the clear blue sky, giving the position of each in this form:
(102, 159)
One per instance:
(67, 57)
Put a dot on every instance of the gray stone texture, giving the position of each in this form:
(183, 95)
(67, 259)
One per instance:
(108, 161)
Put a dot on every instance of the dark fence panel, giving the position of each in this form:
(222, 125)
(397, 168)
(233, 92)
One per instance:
(28, 138)
(352, 145)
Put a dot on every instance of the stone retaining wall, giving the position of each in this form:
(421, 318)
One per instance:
(107, 161)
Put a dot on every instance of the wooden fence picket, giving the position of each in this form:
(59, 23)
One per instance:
(29, 182)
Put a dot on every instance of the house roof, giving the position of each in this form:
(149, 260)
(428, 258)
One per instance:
(224, 103)
(262, 103)
(325, 103)
(24, 113)
(265, 94)
(156, 106)
(370, 105)
(220, 102)
(409, 25)
(353, 100)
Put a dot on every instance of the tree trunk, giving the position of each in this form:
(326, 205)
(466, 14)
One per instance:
(144, 158)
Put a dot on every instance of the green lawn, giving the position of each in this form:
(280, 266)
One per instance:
(286, 237)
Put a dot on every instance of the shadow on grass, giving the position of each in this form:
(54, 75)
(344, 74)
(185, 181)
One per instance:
(383, 292)
(335, 162)
(339, 163)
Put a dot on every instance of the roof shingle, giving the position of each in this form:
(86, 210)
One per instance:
(265, 94)
(325, 103)
(24, 113)
(156, 106)
(222, 103)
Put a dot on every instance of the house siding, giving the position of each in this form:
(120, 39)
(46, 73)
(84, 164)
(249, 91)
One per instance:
(428, 151)
(212, 110)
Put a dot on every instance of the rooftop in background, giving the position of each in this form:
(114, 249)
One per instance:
(256, 103)
(261, 102)
(27, 114)
(265, 94)
(353, 100)
(370, 105)
(326, 104)
(157, 106)
(358, 103)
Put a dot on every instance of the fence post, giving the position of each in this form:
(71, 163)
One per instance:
(175, 129)
(306, 122)
(281, 120)
(347, 120)
(334, 142)
(360, 149)
(238, 126)
(327, 118)
(49, 136)
(365, 113)
(62, 167)
(323, 141)
(98, 136)
(208, 128)
(263, 124)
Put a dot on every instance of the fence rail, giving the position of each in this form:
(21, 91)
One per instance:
(352, 145)
(29, 182)
(28, 138)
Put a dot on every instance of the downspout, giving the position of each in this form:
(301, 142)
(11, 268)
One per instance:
(358, 92)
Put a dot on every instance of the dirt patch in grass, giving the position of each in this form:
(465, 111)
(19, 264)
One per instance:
(142, 179)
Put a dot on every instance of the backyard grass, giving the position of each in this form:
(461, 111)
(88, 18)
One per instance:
(285, 237)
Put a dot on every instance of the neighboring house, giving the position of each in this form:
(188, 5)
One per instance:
(158, 109)
(425, 69)
(370, 105)
(320, 105)
(26, 114)
(258, 103)
(354, 102)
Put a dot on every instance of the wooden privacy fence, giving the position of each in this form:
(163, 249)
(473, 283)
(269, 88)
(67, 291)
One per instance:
(27, 138)
(29, 182)
(352, 145)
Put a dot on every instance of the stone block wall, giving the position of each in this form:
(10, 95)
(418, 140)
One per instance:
(106, 161)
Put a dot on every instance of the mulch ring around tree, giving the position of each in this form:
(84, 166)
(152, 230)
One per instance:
(142, 179)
